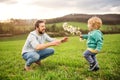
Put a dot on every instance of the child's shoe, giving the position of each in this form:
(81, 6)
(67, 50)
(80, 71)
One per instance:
(92, 66)
(96, 68)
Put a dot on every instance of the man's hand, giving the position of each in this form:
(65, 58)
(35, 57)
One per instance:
(64, 39)
(55, 43)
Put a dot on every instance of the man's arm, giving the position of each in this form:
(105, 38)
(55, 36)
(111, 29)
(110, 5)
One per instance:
(48, 38)
(53, 43)
(43, 46)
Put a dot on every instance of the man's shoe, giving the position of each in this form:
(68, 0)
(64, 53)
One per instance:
(27, 68)
(38, 63)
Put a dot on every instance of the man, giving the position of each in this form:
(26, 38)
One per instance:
(35, 49)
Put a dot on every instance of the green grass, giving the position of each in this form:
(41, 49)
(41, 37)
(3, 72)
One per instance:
(67, 63)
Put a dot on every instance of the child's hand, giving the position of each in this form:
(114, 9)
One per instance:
(80, 33)
(81, 39)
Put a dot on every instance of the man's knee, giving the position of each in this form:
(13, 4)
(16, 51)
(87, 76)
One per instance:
(36, 57)
(52, 51)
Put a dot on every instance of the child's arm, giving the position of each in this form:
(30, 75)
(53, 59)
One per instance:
(85, 36)
(82, 37)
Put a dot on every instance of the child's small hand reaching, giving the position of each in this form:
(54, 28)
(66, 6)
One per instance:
(80, 36)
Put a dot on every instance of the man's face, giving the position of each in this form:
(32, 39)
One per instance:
(41, 29)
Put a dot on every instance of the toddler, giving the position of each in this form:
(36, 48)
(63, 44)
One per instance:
(94, 42)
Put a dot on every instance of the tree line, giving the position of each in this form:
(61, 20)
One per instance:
(110, 19)
(22, 26)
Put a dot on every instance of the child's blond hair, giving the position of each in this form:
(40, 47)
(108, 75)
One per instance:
(95, 22)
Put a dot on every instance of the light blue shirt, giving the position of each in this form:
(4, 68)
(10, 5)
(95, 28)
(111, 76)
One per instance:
(34, 39)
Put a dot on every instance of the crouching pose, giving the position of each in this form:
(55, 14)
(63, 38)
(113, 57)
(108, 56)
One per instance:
(35, 49)
(94, 42)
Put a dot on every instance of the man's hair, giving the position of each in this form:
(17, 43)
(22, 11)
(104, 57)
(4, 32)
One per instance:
(38, 22)
(95, 22)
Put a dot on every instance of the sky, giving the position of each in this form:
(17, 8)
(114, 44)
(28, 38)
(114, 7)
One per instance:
(46, 9)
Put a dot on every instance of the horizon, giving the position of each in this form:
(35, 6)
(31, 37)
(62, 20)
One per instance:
(44, 9)
(60, 16)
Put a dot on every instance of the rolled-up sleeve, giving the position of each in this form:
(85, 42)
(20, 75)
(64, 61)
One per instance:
(48, 38)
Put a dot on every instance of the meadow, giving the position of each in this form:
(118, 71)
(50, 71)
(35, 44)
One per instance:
(67, 63)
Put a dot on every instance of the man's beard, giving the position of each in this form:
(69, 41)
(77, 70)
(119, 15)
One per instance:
(40, 32)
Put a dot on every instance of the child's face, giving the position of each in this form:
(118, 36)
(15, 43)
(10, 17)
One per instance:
(90, 28)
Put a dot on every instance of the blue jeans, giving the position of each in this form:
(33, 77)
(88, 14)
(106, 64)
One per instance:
(90, 57)
(32, 57)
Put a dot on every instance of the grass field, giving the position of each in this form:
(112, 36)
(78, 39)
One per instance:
(67, 63)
